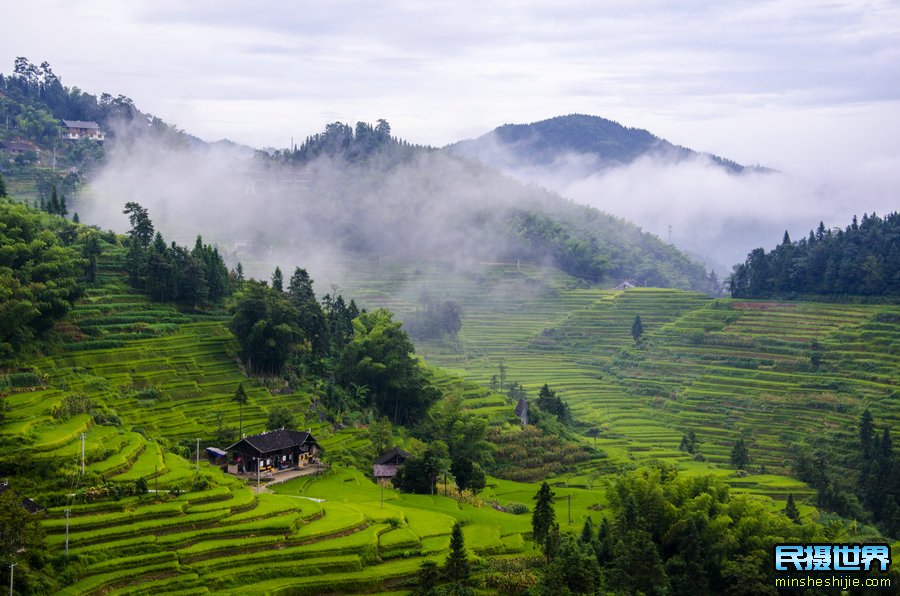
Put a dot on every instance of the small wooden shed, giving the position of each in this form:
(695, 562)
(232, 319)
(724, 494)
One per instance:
(387, 464)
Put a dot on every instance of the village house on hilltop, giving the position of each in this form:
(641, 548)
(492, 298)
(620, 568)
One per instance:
(75, 130)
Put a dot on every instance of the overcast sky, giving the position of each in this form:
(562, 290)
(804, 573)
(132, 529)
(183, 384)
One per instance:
(784, 83)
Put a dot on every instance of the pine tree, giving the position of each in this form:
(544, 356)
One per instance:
(456, 567)
(2, 186)
(278, 280)
(790, 509)
(240, 396)
(53, 205)
(75, 218)
(301, 287)
(866, 433)
(543, 516)
(637, 328)
(91, 250)
(587, 531)
(739, 455)
(603, 546)
(239, 274)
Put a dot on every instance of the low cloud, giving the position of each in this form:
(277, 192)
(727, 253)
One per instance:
(714, 214)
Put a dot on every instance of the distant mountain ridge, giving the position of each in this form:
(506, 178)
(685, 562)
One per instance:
(609, 143)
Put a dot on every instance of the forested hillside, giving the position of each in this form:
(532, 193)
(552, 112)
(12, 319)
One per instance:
(861, 260)
(457, 211)
(606, 142)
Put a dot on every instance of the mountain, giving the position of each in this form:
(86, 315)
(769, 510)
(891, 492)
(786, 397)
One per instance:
(608, 143)
(709, 206)
(351, 193)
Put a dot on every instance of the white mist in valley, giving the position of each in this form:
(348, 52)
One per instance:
(713, 214)
(429, 207)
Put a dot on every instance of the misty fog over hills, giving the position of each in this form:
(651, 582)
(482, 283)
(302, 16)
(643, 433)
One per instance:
(363, 194)
(708, 206)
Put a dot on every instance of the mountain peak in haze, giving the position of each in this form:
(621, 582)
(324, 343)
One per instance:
(605, 142)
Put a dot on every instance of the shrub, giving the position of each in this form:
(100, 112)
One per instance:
(71, 405)
(20, 379)
(140, 486)
(517, 508)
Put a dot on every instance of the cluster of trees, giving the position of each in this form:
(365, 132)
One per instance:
(55, 205)
(40, 270)
(341, 140)
(863, 484)
(861, 260)
(435, 319)
(456, 449)
(364, 360)
(195, 277)
(538, 236)
(551, 403)
(667, 534)
(588, 244)
(689, 443)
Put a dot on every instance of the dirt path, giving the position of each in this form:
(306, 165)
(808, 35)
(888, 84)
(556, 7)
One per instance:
(290, 475)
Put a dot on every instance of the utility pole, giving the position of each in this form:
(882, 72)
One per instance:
(82, 454)
(68, 511)
(198, 454)
(258, 465)
(11, 567)
(570, 510)
(382, 495)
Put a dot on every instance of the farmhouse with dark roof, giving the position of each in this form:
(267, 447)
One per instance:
(274, 450)
(27, 504)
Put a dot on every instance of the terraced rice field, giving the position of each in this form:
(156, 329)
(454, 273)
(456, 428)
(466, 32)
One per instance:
(722, 368)
(199, 530)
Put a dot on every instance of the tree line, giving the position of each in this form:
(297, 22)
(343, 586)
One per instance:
(196, 277)
(42, 273)
(861, 260)
(864, 483)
